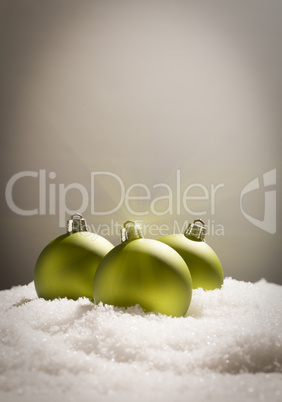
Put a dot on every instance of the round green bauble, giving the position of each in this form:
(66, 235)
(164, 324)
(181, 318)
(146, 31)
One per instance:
(144, 272)
(203, 263)
(66, 266)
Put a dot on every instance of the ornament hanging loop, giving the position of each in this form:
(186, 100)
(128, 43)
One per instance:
(76, 224)
(130, 231)
(196, 230)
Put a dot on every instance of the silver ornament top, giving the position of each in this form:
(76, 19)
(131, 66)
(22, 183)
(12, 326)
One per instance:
(196, 230)
(130, 231)
(76, 224)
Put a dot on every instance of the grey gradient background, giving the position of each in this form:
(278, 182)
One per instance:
(141, 89)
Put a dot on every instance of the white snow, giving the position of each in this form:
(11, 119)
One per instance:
(228, 347)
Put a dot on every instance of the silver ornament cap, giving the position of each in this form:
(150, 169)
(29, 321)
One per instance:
(130, 231)
(196, 230)
(76, 224)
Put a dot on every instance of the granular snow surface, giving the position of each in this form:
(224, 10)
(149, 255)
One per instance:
(228, 347)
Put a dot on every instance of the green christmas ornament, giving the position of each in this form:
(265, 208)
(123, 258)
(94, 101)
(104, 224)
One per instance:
(145, 272)
(66, 266)
(202, 261)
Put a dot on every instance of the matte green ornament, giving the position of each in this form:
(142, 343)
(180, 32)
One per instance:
(66, 266)
(144, 272)
(202, 261)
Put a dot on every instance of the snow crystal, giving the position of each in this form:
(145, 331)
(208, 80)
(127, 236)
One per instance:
(227, 347)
